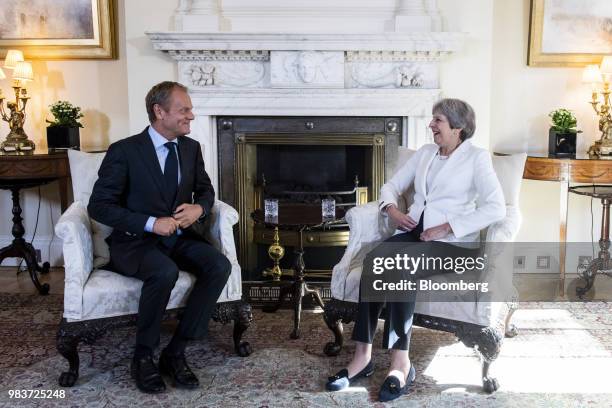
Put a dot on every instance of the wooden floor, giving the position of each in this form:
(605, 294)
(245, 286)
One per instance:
(13, 282)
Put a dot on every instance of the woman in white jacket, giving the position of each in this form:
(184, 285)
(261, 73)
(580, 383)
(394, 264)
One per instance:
(456, 195)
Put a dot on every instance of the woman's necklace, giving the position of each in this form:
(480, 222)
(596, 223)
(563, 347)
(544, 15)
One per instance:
(444, 157)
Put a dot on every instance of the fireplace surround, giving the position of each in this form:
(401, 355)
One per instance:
(318, 154)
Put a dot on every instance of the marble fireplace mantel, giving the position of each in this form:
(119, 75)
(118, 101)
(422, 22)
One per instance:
(309, 74)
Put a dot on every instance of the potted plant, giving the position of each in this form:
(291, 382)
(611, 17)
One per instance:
(562, 133)
(63, 131)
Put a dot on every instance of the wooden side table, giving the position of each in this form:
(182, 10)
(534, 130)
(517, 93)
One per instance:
(26, 170)
(579, 169)
(297, 218)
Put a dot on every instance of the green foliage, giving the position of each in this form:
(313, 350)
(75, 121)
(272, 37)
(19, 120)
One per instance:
(65, 114)
(563, 121)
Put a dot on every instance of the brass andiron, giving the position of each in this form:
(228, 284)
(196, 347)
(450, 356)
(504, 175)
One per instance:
(276, 253)
(597, 75)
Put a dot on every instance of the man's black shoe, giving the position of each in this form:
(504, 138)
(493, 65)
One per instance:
(146, 375)
(176, 368)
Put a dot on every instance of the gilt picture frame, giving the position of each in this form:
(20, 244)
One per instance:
(59, 29)
(569, 33)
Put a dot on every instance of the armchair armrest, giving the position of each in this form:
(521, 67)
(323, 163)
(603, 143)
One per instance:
(74, 229)
(506, 229)
(368, 227)
(220, 234)
(223, 217)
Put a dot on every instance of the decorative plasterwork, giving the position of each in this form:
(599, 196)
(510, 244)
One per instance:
(392, 75)
(307, 69)
(219, 55)
(392, 56)
(235, 74)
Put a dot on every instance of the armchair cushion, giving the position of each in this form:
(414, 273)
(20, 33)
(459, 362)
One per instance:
(109, 294)
(509, 170)
(84, 169)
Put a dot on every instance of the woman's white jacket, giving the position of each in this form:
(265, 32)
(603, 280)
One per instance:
(465, 193)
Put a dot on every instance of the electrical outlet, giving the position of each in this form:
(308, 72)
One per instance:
(519, 262)
(38, 255)
(584, 260)
(543, 262)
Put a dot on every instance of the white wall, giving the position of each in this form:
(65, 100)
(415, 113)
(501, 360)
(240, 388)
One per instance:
(467, 74)
(146, 66)
(521, 98)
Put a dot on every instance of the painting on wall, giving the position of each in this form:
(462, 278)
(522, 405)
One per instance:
(58, 29)
(569, 33)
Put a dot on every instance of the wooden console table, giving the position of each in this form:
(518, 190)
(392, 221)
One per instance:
(581, 169)
(25, 170)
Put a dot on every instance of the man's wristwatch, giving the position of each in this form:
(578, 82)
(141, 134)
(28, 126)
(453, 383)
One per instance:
(201, 218)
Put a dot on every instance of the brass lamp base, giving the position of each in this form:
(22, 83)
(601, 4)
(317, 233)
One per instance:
(17, 142)
(601, 149)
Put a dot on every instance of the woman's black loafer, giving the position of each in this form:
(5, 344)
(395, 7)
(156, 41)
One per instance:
(341, 380)
(391, 389)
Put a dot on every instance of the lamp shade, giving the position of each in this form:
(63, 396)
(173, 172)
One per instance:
(606, 65)
(12, 58)
(2, 76)
(591, 74)
(23, 71)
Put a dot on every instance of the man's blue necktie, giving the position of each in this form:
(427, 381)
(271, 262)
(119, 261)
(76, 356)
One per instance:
(171, 173)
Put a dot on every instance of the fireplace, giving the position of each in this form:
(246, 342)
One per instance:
(301, 159)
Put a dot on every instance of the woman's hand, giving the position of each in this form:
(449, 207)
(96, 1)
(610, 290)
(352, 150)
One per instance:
(437, 232)
(403, 221)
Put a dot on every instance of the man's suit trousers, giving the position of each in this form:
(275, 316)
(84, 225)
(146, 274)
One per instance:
(159, 272)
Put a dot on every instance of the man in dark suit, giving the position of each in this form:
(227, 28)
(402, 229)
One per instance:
(151, 188)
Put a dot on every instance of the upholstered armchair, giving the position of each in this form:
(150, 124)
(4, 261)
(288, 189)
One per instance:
(481, 324)
(97, 300)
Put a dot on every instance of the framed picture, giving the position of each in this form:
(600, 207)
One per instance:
(58, 29)
(569, 33)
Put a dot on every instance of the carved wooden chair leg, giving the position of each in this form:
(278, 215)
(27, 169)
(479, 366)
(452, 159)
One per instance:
(489, 345)
(489, 384)
(487, 342)
(241, 323)
(333, 318)
(510, 328)
(240, 313)
(67, 342)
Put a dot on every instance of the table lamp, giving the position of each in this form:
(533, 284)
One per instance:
(597, 75)
(14, 114)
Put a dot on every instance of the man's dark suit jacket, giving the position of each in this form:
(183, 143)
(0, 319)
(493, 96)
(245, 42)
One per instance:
(130, 189)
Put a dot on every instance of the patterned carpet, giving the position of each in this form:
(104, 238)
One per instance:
(562, 357)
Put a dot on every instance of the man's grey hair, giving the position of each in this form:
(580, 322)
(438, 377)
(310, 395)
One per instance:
(460, 115)
(160, 95)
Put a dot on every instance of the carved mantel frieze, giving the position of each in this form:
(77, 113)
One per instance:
(310, 60)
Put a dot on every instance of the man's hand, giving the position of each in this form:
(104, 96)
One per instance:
(187, 214)
(437, 232)
(165, 226)
(404, 222)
